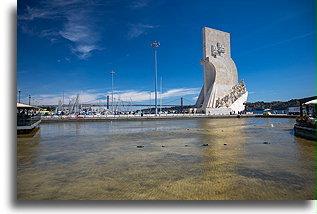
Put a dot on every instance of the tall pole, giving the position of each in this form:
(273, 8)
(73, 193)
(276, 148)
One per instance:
(29, 99)
(112, 73)
(181, 104)
(108, 102)
(19, 96)
(161, 94)
(63, 103)
(155, 70)
(155, 45)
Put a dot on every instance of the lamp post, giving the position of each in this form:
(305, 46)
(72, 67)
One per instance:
(19, 96)
(112, 73)
(155, 45)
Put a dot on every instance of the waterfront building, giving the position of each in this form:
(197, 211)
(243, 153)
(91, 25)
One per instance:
(305, 126)
(27, 121)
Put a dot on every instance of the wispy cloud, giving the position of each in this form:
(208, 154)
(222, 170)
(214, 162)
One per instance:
(137, 30)
(93, 96)
(83, 51)
(68, 60)
(139, 4)
(48, 33)
(77, 25)
(63, 3)
(80, 31)
(33, 13)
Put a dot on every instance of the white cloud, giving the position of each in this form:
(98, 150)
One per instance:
(93, 96)
(53, 40)
(180, 92)
(77, 26)
(76, 32)
(68, 60)
(33, 13)
(83, 51)
(137, 30)
(63, 3)
(80, 30)
(139, 4)
(48, 33)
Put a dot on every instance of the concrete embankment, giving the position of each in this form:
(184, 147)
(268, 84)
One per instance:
(152, 117)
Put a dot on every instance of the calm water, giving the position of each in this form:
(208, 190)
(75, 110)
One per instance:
(101, 161)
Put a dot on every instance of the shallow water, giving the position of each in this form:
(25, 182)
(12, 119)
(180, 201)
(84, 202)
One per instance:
(101, 161)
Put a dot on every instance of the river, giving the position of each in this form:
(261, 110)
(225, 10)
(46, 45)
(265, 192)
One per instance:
(245, 159)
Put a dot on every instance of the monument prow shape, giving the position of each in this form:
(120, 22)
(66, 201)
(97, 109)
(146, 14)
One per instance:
(221, 92)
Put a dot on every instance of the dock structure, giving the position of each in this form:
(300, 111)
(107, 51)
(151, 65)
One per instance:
(305, 126)
(26, 121)
(105, 118)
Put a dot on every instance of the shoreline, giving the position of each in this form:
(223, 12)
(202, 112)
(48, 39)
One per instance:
(152, 117)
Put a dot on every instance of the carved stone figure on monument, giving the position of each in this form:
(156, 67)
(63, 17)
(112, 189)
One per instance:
(214, 51)
(218, 102)
(221, 102)
(221, 48)
(232, 98)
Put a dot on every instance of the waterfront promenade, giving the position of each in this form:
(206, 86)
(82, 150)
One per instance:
(94, 118)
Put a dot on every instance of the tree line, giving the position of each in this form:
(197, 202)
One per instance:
(275, 105)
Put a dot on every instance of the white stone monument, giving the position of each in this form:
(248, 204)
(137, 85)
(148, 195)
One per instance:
(221, 92)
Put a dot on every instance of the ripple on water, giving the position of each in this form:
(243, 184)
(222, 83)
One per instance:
(101, 161)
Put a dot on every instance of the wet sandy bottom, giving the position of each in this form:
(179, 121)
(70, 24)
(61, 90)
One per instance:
(102, 161)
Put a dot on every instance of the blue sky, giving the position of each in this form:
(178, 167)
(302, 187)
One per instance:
(72, 46)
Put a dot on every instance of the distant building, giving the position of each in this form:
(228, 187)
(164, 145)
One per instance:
(293, 110)
(99, 108)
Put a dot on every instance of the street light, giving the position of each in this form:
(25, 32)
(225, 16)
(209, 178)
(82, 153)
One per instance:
(112, 73)
(155, 45)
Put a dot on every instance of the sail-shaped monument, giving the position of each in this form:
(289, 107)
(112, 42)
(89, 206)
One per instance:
(221, 92)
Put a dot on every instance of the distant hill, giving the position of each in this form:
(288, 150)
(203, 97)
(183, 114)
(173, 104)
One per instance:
(275, 105)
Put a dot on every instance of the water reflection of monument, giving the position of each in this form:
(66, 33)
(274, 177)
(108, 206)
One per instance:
(221, 92)
(224, 154)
